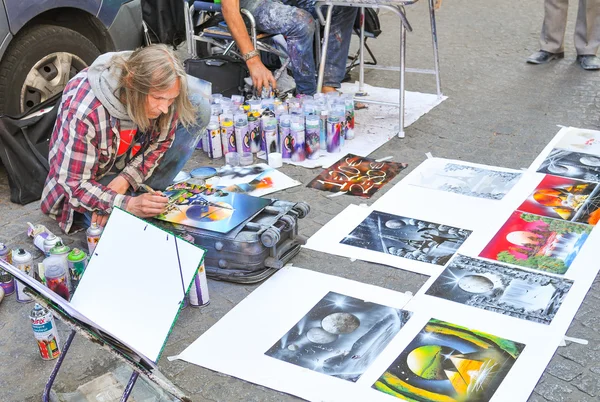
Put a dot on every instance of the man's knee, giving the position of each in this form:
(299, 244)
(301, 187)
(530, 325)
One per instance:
(303, 23)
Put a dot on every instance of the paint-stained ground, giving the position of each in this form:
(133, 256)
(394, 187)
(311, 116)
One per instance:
(501, 111)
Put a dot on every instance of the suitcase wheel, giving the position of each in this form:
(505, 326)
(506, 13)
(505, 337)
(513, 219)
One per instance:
(302, 209)
(270, 237)
(288, 221)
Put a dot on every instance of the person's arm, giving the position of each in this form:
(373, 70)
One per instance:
(261, 76)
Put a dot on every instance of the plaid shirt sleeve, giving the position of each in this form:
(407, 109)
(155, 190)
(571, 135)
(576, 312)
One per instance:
(141, 167)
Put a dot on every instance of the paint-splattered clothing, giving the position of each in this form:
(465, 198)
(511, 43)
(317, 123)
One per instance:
(295, 19)
(83, 149)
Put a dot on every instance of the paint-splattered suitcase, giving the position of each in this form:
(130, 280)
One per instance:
(253, 250)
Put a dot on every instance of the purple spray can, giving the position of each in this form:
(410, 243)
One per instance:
(286, 140)
(298, 134)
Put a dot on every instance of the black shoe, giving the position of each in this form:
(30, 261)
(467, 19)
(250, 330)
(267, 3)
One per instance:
(589, 61)
(543, 57)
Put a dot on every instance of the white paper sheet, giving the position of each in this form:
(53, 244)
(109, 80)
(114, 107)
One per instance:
(265, 316)
(375, 126)
(133, 285)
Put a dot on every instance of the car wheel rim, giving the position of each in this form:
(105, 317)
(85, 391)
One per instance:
(48, 77)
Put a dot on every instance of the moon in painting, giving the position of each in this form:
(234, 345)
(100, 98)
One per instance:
(340, 323)
(558, 169)
(475, 284)
(319, 335)
(590, 160)
(394, 224)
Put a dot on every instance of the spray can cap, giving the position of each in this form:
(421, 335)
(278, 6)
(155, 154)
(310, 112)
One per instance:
(76, 255)
(60, 248)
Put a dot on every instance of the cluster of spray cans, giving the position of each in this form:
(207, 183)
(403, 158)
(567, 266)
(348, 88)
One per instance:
(298, 128)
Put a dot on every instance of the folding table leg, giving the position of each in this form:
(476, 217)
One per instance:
(361, 73)
(402, 67)
(324, 49)
(46, 395)
(129, 387)
(434, 39)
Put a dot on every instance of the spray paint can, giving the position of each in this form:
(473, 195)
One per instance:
(77, 261)
(339, 110)
(254, 129)
(227, 134)
(323, 130)
(7, 282)
(286, 140)
(270, 141)
(215, 148)
(93, 234)
(199, 291)
(62, 251)
(39, 233)
(242, 136)
(313, 137)
(349, 106)
(45, 333)
(333, 133)
(49, 243)
(237, 100)
(297, 131)
(23, 260)
(56, 276)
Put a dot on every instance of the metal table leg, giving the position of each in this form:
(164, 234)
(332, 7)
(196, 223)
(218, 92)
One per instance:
(46, 395)
(129, 387)
(434, 40)
(324, 49)
(402, 67)
(361, 73)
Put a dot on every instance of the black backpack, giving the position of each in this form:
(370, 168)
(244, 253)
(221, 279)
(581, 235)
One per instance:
(24, 148)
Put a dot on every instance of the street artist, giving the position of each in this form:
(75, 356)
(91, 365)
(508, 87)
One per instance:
(115, 122)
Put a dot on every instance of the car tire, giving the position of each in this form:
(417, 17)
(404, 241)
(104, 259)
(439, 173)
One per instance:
(38, 64)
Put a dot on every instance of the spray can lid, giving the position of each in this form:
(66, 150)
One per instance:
(3, 248)
(94, 230)
(60, 248)
(76, 255)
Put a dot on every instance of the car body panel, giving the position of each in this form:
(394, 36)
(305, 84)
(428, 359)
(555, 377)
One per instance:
(125, 30)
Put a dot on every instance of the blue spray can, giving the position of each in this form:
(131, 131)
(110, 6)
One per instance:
(242, 135)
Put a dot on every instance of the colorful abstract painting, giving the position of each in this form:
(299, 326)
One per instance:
(256, 180)
(576, 165)
(409, 238)
(564, 198)
(356, 175)
(537, 242)
(340, 336)
(217, 212)
(450, 363)
(502, 289)
(469, 180)
(580, 140)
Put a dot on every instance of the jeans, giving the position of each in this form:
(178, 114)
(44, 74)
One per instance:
(296, 20)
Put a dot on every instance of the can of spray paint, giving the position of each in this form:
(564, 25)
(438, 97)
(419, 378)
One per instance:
(323, 130)
(45, 333)
(205, 136)
(23, 260)
(93, 234)
(7, 282)
(237, 100)
(333, 133)
(339, 110)
(242, 136)
(56, 276)
(270, 143)
(39, 233)
(77, 261)
(313, 137)
(215, 148)
(62, 251)
(297, 131)
(349, 115)
(254, 129)
(227, 133)
(285, 136)
(199, 291)
(49, 243)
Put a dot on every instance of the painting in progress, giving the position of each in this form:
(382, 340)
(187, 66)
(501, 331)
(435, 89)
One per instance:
(340, 336)
(469, 180)
(409, 238)
(537, 242)
(447, 362)
(499, 288)
(356, 175)
(564, 198)
(580, 140)
(219, 212)
(575, 165)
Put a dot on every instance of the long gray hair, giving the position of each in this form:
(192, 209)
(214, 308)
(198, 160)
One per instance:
(153, 67)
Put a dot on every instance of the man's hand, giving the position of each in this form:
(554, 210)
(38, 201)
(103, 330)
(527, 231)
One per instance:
(99, 219)
(147, 205)
(261, 76)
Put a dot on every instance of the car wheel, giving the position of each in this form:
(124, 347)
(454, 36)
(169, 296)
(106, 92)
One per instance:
(38, 64)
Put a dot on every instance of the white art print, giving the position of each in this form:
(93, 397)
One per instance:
(468, 180)
(576, 165)
(502, 289)
(580, 140)
(340, 336)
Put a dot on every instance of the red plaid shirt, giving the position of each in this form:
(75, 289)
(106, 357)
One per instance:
(83, 148)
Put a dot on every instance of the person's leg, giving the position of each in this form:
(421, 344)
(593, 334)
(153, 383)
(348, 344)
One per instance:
(298, 27)
(342, 23)
(553, 28)
(587, 28)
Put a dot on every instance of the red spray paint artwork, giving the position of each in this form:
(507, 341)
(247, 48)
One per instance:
(564, 198)
(537, 242)
(355, 175)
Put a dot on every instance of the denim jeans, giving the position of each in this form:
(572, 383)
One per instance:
(297, 21)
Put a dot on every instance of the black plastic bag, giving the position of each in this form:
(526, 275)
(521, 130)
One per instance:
(24, 149)
(165, 20)
(225, 73)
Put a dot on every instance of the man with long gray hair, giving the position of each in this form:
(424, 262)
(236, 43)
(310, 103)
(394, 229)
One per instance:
(115, 122)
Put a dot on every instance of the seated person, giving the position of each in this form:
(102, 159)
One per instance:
(294, 19)
(115, 122)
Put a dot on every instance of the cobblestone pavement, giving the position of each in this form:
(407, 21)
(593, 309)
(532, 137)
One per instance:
(500, 111)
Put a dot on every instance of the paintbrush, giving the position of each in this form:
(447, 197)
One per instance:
(150, 190)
